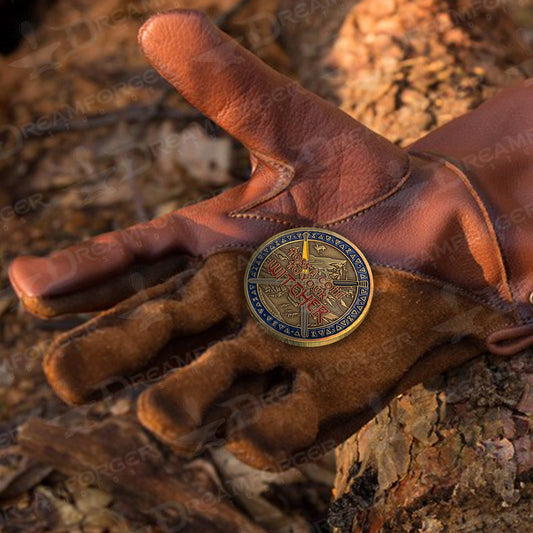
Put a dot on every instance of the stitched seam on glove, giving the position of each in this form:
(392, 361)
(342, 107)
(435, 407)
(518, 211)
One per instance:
(521, 318)
(488, 222)
(450, 287)
(374, 203)
(290, 224)
(356, 211)
(285, 176)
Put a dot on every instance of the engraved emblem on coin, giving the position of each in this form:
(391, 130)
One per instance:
(308, 286)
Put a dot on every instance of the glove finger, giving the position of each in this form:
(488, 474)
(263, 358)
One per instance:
(106, 294)
(84, 362)
(198, 403)
(174, 409)
(97, 261)
(271, 435)
(269, 113)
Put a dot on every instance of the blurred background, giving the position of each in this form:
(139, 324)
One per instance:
(92, 139)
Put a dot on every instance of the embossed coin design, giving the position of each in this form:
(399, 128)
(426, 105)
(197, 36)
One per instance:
(308, 286)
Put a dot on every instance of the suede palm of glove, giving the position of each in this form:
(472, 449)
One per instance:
(452, 263)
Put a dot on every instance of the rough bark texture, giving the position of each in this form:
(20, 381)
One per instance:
(121, 458)
(454, 455)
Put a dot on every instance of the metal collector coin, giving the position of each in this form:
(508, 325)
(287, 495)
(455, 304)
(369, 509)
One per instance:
(308, 286)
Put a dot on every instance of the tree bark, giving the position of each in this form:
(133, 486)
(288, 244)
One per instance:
(454, 455)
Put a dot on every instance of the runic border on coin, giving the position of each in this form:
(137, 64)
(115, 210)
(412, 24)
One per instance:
(308, 286)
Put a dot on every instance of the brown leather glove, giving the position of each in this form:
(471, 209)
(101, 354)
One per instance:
(450, 246)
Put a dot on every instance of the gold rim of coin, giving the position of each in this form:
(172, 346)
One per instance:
(306, 341)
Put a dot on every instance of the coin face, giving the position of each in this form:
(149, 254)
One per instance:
(308, 286)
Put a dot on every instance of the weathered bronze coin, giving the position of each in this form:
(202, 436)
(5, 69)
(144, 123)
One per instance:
(308, 286)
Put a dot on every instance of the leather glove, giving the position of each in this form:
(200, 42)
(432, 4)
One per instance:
(449, 238)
